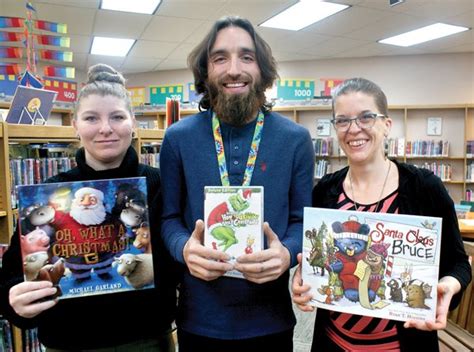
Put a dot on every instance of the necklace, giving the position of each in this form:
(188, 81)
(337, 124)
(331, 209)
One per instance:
(381, 192)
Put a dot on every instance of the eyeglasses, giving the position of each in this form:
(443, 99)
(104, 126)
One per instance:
(365, 121)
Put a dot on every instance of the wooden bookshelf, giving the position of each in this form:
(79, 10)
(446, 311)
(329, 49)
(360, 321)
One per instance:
(410, 123)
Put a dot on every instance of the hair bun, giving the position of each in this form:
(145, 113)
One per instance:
(103, 72)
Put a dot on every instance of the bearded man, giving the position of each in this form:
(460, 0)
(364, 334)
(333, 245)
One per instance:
(236, 141)
(87, 238)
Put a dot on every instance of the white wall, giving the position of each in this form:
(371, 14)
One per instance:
(413, 79)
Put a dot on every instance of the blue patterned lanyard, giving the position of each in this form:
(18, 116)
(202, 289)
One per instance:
(257, 136)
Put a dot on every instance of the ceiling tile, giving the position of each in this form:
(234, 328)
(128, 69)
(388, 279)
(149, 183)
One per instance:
(387, 27)
(181, 52)
(333, 46)
(165, 39)
(79, 20)
(435, 9)
(136, 64)
(255, 11)
(170, 29)
(152, 49)
(93, 4)
(80, 43)
(168, 64)
(200, 32)
(194, 9)
(117, 24)
(114, 61)
(346, 21)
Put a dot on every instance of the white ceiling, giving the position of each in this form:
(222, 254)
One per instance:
(165, 38)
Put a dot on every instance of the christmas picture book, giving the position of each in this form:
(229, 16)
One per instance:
(233, 219)
(86, 237)
(373, 264)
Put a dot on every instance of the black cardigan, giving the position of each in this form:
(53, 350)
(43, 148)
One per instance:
(420, 192)
(110, 319)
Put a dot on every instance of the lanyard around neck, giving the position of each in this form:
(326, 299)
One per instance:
(257, 136)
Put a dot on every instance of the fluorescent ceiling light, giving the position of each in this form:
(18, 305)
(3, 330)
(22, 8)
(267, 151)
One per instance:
(138, 6)
(302, 14)
(111, 46)
(424, 34)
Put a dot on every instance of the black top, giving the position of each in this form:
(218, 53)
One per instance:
(109, 319)
(420, 192)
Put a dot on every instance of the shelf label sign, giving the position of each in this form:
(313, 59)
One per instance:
(158, 94)
(137, 95)
(295, 89)
(67, 90)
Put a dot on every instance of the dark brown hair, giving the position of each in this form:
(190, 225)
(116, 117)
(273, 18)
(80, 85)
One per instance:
(199, 57)
(364, 86)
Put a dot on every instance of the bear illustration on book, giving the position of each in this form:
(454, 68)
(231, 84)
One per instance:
(359, 269)
(81, 234)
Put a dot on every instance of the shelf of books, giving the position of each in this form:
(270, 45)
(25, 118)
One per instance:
(148, 144)
(427, 136)
(149, 117)
(6, 333)
(11, 338)
(29, 155)
(469, 138)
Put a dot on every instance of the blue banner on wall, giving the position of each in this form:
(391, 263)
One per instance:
(158, 94)
(8, 84)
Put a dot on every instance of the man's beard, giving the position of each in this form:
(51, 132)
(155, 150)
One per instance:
(236, 109)
(88, 216)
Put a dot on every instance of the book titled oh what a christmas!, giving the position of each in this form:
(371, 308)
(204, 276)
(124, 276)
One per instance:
(87, 237)
(373, 264)
(233, 219)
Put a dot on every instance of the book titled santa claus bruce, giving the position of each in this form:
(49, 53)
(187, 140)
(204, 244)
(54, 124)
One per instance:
(233, 219)
(86, 237)
(373, 264)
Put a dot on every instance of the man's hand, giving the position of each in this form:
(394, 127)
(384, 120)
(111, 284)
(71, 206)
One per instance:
(447, 287)
(299, 291)
(266, 265)
(204, 263)
(29, 298)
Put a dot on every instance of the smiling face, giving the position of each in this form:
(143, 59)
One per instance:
(361, 146)
(105, 126)
(234, 76)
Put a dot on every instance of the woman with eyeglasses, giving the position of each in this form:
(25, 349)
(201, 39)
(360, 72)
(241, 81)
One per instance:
(372, 182)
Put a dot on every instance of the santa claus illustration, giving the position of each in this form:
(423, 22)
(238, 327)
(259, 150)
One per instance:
(87, 238)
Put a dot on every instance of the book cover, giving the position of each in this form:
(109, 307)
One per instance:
(373, 264)
(87, 237)
(233, 219)
(30, 106)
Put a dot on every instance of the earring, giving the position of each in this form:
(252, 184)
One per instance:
(134, 134)
(78, 137)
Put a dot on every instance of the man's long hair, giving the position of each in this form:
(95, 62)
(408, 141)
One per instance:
(198, 60)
